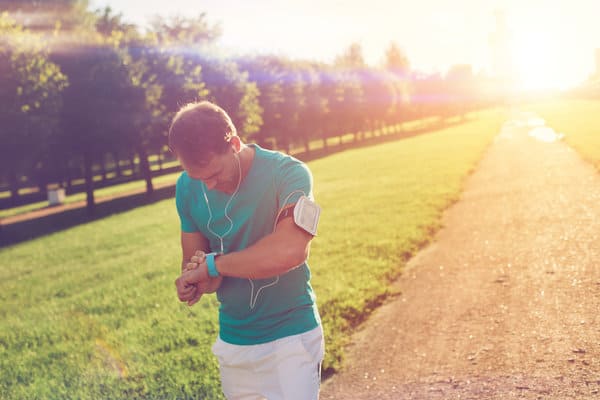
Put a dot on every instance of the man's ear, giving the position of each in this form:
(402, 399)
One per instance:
(236, 144)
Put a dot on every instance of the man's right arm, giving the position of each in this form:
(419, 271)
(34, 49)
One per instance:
(191, 242)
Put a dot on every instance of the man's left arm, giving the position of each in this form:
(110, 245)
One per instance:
(275, 254)
(278, 252)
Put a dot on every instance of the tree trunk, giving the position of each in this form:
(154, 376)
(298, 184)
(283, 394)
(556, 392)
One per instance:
(115, 155)
(103, 168)
(89, 183)
(64, 175)
(14, 186)
(160, 159)
(42, 184)
(145, 169)
(69, 178)
(132, 162)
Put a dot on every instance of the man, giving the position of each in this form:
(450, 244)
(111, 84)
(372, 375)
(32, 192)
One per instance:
(241, 238)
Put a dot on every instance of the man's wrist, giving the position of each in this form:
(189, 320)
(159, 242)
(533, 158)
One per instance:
(211, 266)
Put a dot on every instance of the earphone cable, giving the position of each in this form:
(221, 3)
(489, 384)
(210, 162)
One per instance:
(253, 296)
(210, 215)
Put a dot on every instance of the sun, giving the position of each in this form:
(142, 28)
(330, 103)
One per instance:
(540, 64)
(542, 55)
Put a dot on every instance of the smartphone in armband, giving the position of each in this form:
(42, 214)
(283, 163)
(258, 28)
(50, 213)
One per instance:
(306, 215)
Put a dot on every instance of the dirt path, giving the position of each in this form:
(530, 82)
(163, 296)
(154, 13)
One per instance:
(506, 302)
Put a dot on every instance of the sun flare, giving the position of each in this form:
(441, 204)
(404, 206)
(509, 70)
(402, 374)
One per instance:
(540, 64)
(542, 52)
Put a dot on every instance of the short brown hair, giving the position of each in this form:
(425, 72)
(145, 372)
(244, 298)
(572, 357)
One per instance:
(200, 129)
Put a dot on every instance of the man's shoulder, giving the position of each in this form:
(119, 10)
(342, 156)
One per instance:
(183, 179)
(185, 184)
(277, 157)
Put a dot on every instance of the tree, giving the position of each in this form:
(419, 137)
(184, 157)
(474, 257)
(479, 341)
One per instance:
(316, 108)
(187, 32)
(397, 62)
(232, 89)
(97, 104)
(351, 58)
(333, 90)
(191, 41)
(48, 16)
(379, 96)
(171, 75)
(293, 104)
(429, 95)
(401, 102)
(108, 23)
(30, 99)
(142, 118)
(461, 86)
(266, 72)
(348, 66)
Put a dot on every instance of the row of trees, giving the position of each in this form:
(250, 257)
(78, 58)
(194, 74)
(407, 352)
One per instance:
(81, 89)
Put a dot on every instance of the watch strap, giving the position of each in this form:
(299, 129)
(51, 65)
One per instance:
(211, 266)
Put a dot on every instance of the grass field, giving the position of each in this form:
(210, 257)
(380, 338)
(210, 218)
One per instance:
(91, 312)
(578, 120)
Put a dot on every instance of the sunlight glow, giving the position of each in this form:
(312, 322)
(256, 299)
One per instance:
(540, 65)
(552, 42)
(543, 52)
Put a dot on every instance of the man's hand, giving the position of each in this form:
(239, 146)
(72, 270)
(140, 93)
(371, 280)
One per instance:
(194, 280)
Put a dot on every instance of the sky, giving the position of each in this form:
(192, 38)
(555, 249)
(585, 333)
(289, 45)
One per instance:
(552, 42)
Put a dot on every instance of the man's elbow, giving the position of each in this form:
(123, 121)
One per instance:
(296, 255)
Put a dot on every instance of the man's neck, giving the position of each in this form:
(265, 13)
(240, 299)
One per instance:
(246, 155)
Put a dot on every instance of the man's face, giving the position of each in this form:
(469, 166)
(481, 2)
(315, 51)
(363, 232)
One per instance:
(220, 173)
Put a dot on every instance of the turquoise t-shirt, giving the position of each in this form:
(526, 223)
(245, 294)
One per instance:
(261, 310)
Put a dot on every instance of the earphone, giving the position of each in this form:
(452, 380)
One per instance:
(253, 294)
(210, 216)
(254, 298)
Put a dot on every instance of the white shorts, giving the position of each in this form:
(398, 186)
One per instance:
(284, 369)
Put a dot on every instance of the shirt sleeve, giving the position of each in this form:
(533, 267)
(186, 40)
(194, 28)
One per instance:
(185, 217)
(295, 181)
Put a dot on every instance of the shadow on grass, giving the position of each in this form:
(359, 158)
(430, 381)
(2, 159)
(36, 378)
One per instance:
(30, 229)
(33, 228)
(378, 139)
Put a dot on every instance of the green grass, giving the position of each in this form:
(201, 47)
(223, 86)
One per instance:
(578, 120)
(22, 191)
(91, 312)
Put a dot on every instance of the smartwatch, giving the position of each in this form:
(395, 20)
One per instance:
(211, 266)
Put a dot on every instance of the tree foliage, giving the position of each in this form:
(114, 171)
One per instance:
(29, 101)
(90, 88)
